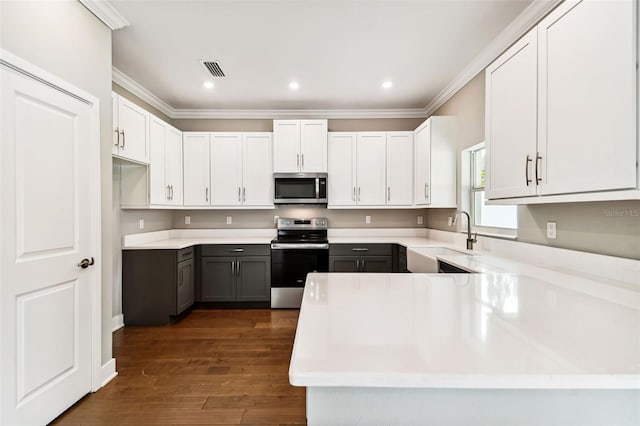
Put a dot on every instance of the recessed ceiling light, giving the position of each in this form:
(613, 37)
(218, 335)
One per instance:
(208, 84)
(387, 85)
(293, 85)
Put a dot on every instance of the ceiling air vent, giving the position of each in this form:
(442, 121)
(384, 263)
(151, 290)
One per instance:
(214, 68)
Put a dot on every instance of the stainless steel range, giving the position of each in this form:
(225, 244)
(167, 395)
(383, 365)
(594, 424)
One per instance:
(301, 246)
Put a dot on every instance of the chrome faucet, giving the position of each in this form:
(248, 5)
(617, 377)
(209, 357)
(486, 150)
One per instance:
(470, 240)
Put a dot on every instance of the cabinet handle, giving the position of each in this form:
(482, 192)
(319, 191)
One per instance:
(302, 162)
(425, 190)
(244, 194)
(359, 249)
(363, 265)
(123, 141)
(117, 138)
(171, 186)
(358, 193)
(388, 193)
(358, 265)
(538, 161)
(206, 194)
(168, 192)
(233, 268)
(238, 268)
(236, 250)
(239, 199)
(298, 161)
(526, 170)
(354, 194)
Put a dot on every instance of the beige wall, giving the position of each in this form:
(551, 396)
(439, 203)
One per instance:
(265, 218)
(65, 39)
(611, 228)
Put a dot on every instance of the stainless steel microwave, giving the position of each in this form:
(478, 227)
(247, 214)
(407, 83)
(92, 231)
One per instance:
(300, 188)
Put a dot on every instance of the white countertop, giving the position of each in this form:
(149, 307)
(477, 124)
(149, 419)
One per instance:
(494, 330)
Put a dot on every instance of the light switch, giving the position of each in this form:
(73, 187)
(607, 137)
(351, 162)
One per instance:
(367, 219)
(450, 221)
(141, 223)
(420, 220)
(187, 220)
(229, 220)
(551, 230)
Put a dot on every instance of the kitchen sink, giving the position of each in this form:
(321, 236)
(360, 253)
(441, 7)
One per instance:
(425, 259)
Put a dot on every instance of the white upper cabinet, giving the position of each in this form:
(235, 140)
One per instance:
(131, 130)
(342, 176)
(165, 166)
(435, 163)
(226, 169)
(399, 168)
(195, 148)
(241, 171)
(561, 107)
(371, 168)
(587, 98)
(299, 146)
(511, 120)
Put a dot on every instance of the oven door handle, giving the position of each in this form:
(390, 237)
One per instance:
(294, 246)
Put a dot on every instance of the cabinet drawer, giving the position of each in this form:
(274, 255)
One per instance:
(236, 250)
(185, 254)
(360, 250)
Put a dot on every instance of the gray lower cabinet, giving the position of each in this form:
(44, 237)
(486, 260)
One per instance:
(244, 277)
(360, 258)
(156, 285)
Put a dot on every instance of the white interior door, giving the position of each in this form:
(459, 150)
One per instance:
(257, 174)
(226, 169)
(46, 299)
(422, 164)
(342, 180)
(286, 146)
(313, 146)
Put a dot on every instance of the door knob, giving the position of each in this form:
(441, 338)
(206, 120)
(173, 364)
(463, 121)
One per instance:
(85, 263)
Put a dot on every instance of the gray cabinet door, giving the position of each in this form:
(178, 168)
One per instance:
(344, 263)
(376, 264)
(185, 290)
(254, 278)
(218, 282)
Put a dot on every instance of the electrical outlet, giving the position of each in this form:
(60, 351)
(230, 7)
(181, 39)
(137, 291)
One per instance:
(229, 220)
(367, 219)
(420, 220)
(275, 219)
(551, 230)
(141, 223)
(450, 221)
(187, 220)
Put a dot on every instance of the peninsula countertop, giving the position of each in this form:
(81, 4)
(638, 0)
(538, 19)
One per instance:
(473, 331)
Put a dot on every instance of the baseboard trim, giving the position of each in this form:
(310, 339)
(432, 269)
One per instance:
(117, 322)
(109, 371)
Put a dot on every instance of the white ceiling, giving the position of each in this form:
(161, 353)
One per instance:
(340, 51)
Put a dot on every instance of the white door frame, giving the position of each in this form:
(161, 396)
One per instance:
(14, 62)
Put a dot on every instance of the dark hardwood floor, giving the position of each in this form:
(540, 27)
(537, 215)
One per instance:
(211, 367)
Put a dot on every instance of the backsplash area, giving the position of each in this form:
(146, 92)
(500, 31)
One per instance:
(265, 218)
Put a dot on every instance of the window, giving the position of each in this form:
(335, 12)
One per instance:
(485, 219)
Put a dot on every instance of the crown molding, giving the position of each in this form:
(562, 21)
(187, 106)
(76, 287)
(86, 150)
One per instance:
(294, 113)
(135, 88)
(516, 29)
(104, 11)
(523, 23)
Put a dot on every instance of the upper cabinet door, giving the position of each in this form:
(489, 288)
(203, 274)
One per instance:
(115, 135)
(422, 164)
(195, 148)
(587, 97)
(511, 120)
(132, 123)
(286, 146)
(257, 174)
(158, 188)
(313, 146)
(173, 164)
(226, 169)
(371, 168)
(399, 168)
(342, 179)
